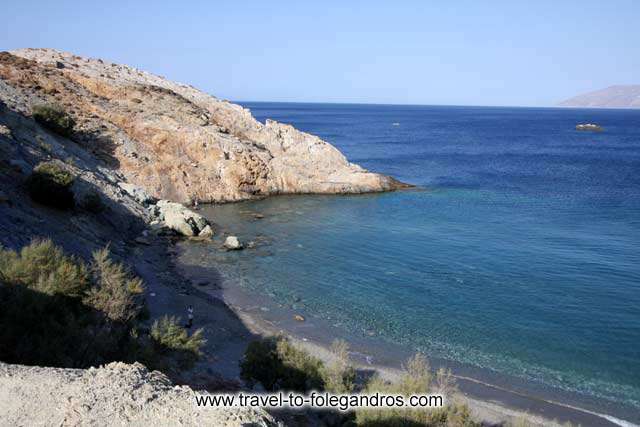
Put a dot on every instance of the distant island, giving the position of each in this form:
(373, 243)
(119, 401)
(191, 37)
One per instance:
(620, 96)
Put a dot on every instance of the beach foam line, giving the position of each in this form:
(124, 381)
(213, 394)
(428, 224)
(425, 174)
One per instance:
(610, 418)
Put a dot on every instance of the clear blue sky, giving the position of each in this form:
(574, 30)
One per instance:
(417, 52)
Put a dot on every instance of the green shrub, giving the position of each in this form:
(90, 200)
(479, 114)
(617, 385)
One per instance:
(115, 292)
(44, 267)
(93, 203)
(279, 365)
(173, 345)
(50, 184)
(54, 118)
(56, 311)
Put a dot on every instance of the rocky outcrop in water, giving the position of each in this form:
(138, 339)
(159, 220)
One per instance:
(172, 140)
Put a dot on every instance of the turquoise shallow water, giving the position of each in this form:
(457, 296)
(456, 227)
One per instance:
(520, 255)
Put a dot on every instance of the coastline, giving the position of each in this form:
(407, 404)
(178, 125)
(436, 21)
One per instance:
(493, 402)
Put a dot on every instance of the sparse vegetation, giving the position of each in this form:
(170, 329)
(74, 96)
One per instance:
(339, 376)
(54, 118)
(57, 311)
(50, 184)
(279, 365)
(417, 379)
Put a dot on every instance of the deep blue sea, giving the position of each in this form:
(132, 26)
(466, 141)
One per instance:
(518, 254)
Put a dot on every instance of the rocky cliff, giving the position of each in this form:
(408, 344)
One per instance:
(115, 394)
(612, 97)
(173, 140)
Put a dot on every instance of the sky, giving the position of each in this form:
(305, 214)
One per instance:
(520, 53)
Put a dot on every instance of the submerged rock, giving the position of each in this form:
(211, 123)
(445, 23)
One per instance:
(299, 318)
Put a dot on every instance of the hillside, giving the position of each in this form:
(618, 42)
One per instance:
(173, 140)
(611, 97)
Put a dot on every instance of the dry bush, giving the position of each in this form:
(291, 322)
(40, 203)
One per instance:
(416, 379)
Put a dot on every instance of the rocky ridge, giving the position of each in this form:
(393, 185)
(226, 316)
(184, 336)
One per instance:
(620, 96)
(176, 142)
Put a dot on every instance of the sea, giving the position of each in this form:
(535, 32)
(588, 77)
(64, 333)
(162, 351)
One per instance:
(515, 259)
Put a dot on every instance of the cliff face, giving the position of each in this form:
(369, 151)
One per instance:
(174, 140)
(611, 97)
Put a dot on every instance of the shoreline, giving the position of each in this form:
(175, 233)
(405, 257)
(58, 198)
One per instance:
(488, 402)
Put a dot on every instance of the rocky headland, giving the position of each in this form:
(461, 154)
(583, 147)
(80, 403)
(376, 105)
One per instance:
(177, 142)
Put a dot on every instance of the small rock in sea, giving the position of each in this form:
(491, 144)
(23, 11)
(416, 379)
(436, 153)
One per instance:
(298, 318)
(258, 216)
(202, 283)
(232, 243)
(589, 127)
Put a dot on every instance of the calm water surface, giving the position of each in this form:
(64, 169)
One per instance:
(521, 255)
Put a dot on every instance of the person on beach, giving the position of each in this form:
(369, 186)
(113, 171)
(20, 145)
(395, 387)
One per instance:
(189, 317)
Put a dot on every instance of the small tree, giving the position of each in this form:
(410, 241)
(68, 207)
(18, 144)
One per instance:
(115, 291)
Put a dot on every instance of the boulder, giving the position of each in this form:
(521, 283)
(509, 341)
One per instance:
(207, 231)
(232, 243)
(5, 131)
(180, 219)
(138, 193)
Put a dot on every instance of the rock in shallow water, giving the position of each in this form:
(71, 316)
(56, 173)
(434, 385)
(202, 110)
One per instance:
(232, 243)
